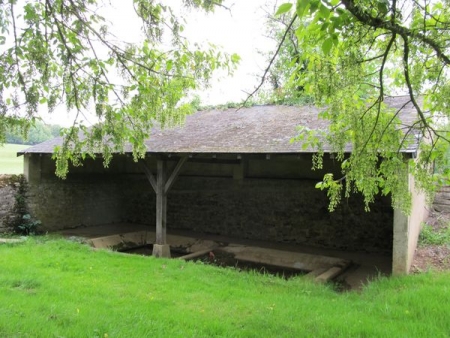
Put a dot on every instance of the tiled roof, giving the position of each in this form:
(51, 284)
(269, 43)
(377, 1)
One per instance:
(257, 129)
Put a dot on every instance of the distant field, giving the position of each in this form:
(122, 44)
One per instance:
(9, 162)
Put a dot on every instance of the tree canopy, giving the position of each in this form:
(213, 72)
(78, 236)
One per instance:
(349, 56)
(62, 52)
(346, 56)
(37, 133)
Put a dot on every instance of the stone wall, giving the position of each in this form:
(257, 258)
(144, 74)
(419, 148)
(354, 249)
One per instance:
(9, 188)
(80, 200)
(286, 211)
(273, 200)
(442, 200)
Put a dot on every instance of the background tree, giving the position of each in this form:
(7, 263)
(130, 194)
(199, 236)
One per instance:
(356, 53)
(61, 52)
(37, 133)
(285, 63)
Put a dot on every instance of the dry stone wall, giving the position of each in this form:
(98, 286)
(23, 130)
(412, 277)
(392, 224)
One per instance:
(80, 200)
(9, 189)
(285, 211)
(442, 200)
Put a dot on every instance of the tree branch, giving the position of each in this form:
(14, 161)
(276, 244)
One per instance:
(381, 89)
(263, 79)
(375, 22)
(408, 80)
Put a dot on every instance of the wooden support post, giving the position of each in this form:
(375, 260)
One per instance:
(160, 204)
(162, 185)
(164, 217)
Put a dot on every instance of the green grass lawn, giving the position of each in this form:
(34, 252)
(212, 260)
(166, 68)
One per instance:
(9, 162)
(56, 288)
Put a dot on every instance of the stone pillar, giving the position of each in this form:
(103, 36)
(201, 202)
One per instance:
(407, 230)
(32, 167)
(400, 245)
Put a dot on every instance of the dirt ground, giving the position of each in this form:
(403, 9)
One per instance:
(433, 257)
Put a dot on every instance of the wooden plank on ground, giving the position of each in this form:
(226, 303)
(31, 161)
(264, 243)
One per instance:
(329, 274)
(315, 273)
(196, 254)
(286, 259)
(12, 240)
(122, 241)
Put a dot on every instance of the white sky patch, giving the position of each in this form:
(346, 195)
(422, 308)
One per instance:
(240, 30)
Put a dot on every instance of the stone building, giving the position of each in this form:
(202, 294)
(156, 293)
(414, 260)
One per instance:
(232, 173)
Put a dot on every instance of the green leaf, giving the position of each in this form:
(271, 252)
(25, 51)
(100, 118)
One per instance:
(324, 12)
(345, 164)
(284, 8)
(383, 7)
(235, 58)
(169, 65)
(324, 26)
(335, 38)
(326, 45)
(313, 6)
(301, 7)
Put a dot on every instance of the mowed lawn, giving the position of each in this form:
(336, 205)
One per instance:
(55, 288)
(9, 162)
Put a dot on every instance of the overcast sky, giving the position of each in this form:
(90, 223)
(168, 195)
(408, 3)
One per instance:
(238, 30)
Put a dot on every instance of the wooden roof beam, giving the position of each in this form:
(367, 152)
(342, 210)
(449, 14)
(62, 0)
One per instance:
(149, 175)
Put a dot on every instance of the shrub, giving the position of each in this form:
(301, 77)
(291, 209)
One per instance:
(430, 236)
(28, 226)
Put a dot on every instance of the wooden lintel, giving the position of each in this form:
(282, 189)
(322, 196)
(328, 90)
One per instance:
(149, 175)
(214, 160)
(174, 174)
